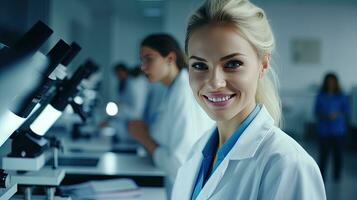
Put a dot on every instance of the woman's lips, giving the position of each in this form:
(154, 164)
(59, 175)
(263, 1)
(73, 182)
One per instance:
(218, 100)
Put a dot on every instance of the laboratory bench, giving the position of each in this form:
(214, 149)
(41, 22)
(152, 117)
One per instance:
(80, 167)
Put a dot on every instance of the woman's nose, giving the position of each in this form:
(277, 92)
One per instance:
(217, 79)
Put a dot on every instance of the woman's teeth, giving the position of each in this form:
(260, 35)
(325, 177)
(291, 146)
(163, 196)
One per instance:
(219, 99)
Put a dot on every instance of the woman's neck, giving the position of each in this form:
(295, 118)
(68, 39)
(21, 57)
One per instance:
(171, 76)
(227, 128)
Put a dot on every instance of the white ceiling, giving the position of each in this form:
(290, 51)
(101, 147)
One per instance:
(125, 7)
(139, 7)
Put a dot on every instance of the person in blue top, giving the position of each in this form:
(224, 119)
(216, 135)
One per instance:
(246, 156)
(331, 110)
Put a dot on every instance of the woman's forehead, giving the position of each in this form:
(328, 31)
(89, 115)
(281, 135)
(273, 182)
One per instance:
(147, 51)
(211, 40)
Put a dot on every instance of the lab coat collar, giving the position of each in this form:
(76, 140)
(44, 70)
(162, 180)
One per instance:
(250, 140)
(253, 136)
(183, 74)
(246, 147)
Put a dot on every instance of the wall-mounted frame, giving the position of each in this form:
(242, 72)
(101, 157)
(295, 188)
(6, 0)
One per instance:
(306, 51)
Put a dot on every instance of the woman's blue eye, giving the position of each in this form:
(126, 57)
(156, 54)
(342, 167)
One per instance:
(199, 66)
(233, 64)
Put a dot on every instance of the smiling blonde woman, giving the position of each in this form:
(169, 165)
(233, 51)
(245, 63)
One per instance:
(247, 156)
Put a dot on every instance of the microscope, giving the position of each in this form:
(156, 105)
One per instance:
(28, 105)
(31, 147)
(15, 65)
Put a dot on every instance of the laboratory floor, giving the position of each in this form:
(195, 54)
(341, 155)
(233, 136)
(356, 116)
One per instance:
(346, 189)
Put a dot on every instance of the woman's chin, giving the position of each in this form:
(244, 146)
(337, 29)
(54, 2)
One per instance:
(220, 115)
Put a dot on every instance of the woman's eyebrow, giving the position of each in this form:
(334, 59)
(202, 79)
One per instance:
(221, 59)
(147, 55)
(230, 56)
(198, 58)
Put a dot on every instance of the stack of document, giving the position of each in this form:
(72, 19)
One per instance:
(118, 189)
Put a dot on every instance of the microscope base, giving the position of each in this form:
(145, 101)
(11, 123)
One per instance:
(7, 193)
(23, 164)
(43, 177)
(39, 197)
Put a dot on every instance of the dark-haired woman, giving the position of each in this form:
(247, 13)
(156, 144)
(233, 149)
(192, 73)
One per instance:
(180, 121)
(331, 110)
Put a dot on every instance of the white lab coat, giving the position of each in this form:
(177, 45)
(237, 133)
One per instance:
(132, 104)
(133, 100)
(155, 97)
(178, 126)
(265, 163)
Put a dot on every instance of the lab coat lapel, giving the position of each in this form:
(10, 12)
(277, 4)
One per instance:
(245, 148)
(188, 174)
(212, 183)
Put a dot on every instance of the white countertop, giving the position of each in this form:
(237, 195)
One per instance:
(114, 164)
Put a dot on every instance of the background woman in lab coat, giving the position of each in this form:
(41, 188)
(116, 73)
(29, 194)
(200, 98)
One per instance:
(132, 101)
(180, 121)
(229, 45)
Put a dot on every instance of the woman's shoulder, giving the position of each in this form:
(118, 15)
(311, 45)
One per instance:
(285, 161)
(280, 147)
(285, 167)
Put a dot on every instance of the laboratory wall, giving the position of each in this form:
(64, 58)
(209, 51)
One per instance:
(332, 25)
(111, 33)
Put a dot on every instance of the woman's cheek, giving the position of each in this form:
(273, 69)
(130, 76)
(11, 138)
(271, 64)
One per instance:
(196, 81)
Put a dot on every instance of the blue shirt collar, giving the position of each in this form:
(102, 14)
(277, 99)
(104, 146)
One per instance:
(211, 147)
